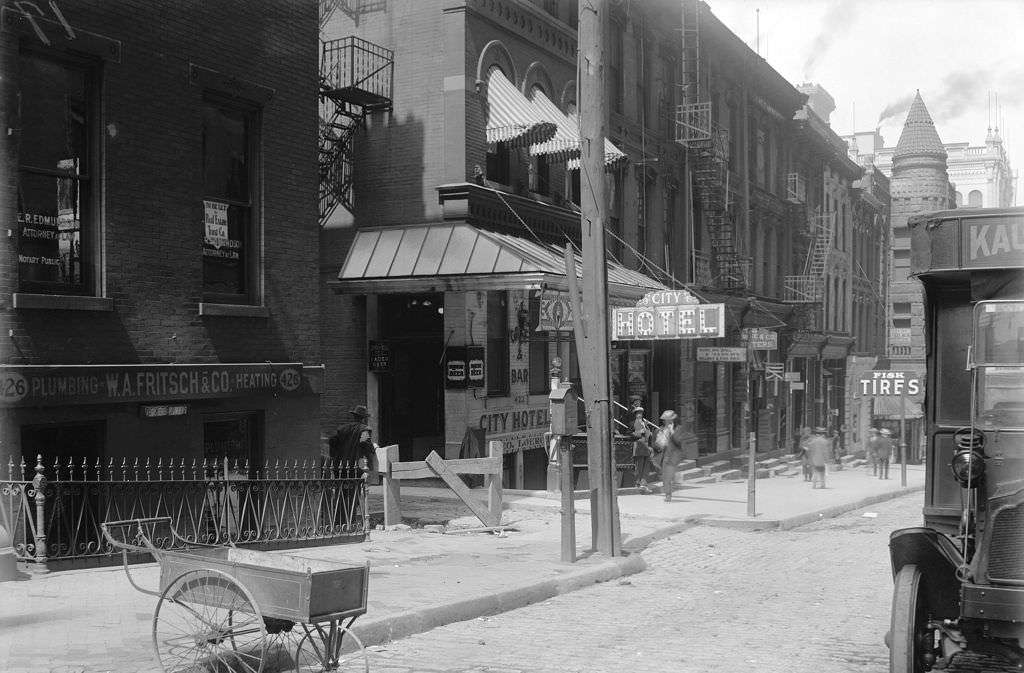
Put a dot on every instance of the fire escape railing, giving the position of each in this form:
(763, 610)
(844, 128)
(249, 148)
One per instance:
(356, 78)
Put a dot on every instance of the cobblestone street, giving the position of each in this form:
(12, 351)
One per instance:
(813, 599)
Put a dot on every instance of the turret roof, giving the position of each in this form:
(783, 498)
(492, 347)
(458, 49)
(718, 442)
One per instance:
(919, 136)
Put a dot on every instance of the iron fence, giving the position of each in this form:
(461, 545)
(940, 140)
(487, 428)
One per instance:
(53, 512)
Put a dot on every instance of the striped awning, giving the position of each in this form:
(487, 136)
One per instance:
(613, 156)
(890, 407)
(565, 144)
(511, 118)
(460, 257)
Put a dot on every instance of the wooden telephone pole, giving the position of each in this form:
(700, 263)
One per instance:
(593, 352)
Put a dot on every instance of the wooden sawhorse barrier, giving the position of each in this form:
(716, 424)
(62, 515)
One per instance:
(393, 472)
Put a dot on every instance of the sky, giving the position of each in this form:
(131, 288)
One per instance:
(965, 56)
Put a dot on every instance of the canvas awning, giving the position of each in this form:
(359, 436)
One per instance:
(460, 257)
(565, 144)
(888, 407)
(511, 118)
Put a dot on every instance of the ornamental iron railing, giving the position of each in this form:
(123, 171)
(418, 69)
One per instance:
(54, 514)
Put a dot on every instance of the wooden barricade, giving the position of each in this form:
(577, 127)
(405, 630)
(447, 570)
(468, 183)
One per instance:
(393, 472)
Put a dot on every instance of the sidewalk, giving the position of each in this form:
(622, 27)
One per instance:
(93, 621)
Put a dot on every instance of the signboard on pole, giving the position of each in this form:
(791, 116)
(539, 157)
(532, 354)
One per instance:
(721, 354)
(759, 339)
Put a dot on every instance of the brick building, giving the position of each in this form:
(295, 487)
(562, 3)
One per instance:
(158, 283)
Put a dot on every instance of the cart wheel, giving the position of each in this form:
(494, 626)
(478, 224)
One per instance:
(206, 622)
(317, 654)
(911, 646)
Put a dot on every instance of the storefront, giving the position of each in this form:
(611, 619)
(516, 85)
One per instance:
(463, 325)
(233, 417)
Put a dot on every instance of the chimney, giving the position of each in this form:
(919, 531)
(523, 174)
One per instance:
(821, 101)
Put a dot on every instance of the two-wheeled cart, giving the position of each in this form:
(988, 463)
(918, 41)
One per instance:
(225, 609)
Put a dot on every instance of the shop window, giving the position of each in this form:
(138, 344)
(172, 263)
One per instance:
(230, 250)
(497, 344)
(56, 235)
(232, 444)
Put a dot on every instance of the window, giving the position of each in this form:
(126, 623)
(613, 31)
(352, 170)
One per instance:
(974, 199)
(539, 371)
(614, 63)
(56, 224)
(498, 161)
(497, 344)
(229, 205)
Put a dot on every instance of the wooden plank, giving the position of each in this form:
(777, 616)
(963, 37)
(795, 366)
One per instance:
(493, 481)
(438, 464)
(386, 455)
(418, 469)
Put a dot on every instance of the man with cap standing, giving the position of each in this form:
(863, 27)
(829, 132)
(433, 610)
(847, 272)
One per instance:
(872, 450)
(819, 450)
(883, 452)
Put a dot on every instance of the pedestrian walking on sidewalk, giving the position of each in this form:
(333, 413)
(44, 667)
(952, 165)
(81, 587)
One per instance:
(802, 454)
(349, 442)
(641, 447)
(668, 445)
(872, 450)
(883, 452)
(819, 451)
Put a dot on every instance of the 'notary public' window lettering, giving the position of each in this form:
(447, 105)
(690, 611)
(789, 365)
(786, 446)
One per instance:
(229, 179)
(55, 186)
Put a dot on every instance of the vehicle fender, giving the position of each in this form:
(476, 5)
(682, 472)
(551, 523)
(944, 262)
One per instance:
(937, 558)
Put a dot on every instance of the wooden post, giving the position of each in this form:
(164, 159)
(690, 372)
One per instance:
(594, 356)
(386, 455)
(750, 420)
(903, 436)
(493, 482)
(568, 505)
(39, 486)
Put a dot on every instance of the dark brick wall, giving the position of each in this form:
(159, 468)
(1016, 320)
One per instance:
(151, 176)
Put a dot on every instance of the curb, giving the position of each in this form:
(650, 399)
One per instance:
(809, 517)
(381, 630)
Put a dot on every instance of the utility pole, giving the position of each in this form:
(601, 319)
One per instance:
(593, 352)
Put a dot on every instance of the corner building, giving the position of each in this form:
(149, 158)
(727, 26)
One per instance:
(445, 296)
(158, 286)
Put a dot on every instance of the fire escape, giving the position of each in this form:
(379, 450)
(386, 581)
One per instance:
(808, 289)
(709, 148)
(355, 80)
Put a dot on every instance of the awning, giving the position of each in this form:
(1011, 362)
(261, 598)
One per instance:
(511, 118)
(459, 257)
(612, 154)
(565, 144)
(888, 407)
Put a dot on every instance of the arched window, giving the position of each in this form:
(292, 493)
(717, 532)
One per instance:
(959, 199)
(974, 199)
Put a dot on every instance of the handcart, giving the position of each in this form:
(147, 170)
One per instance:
(230, 610)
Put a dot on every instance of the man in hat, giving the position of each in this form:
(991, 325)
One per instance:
(872, 450)
(641, 446)
(668, 442)
(883, 452)
(819, 450)
(350, 444)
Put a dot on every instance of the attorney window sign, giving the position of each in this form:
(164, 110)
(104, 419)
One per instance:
(54, 224)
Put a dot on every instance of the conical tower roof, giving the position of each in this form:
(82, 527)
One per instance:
(919, 137)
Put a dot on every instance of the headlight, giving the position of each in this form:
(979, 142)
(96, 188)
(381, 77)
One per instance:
(968, 467)
(968, 464)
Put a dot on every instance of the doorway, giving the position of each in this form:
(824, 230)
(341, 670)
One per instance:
(412, 392)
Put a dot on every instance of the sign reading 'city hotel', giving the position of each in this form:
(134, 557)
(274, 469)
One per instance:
(671, 314)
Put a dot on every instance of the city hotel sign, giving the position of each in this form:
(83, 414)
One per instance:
(671, 314)
(43, 385)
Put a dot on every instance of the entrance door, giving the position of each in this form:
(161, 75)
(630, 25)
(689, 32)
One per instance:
(412, 392)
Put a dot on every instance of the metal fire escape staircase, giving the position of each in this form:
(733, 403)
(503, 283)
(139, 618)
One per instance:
(355, 80)
(809, 288)
(709, 148)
